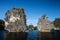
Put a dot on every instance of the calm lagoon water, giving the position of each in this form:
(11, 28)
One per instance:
(32, 35)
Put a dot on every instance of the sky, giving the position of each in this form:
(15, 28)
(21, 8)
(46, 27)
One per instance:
(33, 9)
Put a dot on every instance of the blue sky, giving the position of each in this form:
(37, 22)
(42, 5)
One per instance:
(34, 9)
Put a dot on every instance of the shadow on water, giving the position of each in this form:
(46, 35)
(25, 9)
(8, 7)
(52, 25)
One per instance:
(46, 36)
(29, 35)
(16, 36)
(55, 35)
(33, 35)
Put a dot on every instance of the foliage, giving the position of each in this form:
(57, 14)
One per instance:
(56, 22)
(35, 28)
(30, 27)
(2, 22)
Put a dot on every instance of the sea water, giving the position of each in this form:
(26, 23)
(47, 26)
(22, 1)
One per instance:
(32, 35)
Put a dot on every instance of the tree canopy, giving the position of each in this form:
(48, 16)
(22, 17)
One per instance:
(35, 28)
(56, 22)
(30, 27)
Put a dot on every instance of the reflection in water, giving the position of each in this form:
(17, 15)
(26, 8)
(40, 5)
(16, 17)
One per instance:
(32, 35)
(28, 35)
(36, 35)
(2, 34)
(16, 36)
